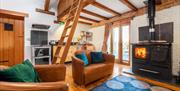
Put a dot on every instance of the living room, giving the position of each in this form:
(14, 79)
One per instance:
(108, 45)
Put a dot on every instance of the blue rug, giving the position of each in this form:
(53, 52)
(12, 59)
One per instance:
(124, 83)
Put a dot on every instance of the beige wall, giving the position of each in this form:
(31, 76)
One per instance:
(168, 15)
(98, 36)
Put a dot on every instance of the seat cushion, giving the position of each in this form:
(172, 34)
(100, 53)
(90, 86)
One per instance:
(97, 57)
(83, 57)
(20, 73)
(96, 71)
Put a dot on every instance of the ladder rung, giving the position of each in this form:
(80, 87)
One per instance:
(73, 9)
(57, 56)
(65, 36)
(70, 18)
(68, 27)
(75, 2)
(59, 45)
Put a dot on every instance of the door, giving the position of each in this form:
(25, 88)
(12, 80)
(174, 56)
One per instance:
(119, 44)
(11, 41)
(125, 45)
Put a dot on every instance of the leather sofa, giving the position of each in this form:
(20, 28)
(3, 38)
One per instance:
(52, 77)
(84, 75)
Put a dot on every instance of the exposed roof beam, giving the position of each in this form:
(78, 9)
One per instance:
(96, 4)
(83, 22)
(88, 19)
(43, 11)
(46, 5)
(129, 4)
(86, 3)
(141, 11)
(94, 14)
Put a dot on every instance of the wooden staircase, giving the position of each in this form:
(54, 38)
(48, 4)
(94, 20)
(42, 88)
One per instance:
(68, 32)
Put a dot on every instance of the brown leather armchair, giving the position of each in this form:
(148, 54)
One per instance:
(52, 76)
(84, 75)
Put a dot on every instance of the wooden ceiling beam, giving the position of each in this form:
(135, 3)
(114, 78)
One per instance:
(98, 5)
(83, 22)
(128, 4)
(88, 19)
(43, 11)
(94, 14)
(141, 11)
(46, 8)
(46, 5)
(86, 3)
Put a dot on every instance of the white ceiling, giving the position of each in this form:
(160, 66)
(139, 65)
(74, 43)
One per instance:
(98, 11)
(90, 16)
(115, 5)
(138, 3)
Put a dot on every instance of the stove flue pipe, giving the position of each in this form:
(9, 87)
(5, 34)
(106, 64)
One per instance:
(151, 16)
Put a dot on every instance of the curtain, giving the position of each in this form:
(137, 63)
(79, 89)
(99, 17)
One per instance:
(108, 28)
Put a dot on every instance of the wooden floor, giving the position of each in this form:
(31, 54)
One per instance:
(117, 71)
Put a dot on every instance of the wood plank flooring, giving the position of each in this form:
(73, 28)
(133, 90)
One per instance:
(117, 71)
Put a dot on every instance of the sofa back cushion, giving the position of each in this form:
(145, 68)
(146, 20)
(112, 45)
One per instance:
(83, 57)
(97, 57)
(24, 72)
(87, 54)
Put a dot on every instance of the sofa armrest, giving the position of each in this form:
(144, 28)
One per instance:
(51, 73)
(49, 86)
(78, 70)
(109, 57)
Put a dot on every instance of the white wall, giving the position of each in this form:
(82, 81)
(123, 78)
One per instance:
(98, 37)
(168, 15)
(29, 6)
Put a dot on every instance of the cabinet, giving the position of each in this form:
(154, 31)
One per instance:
(41, 55)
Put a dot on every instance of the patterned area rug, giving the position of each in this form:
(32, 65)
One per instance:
(124, 83)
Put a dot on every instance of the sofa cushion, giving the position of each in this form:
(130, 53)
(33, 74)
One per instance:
(24, 72)
(83, 57)
(97, 71)
(97, 57)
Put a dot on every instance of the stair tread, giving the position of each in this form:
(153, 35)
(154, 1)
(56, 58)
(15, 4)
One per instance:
(59, 45)
(69, 18)
(68, 27)
(73, 8)
(65, 35)
(57, 56)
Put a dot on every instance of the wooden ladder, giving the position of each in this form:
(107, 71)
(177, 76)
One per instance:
(68, 32)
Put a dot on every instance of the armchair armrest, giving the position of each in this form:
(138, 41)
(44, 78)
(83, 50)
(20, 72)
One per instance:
(109, 57)
(51, 73)
(49, 86)
(78, 70)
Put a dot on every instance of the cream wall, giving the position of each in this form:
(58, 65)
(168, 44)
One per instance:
(98, 37)
(29, 6)
(168, 15)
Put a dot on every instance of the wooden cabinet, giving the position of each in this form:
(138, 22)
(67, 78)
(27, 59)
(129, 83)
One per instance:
(11, 40)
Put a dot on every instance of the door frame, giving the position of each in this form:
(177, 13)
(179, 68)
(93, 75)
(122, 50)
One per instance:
(119, 60)
(121, 46)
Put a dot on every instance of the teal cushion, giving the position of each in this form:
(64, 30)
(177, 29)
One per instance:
(83, 57)
(97, 57)
(24, 72)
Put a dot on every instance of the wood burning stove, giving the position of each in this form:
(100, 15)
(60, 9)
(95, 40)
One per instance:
(152, 60)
